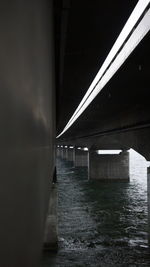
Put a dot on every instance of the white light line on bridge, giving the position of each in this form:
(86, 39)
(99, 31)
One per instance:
(104, 74)
(106, 152)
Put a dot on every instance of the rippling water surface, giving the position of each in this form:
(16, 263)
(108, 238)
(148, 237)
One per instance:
(101, 224)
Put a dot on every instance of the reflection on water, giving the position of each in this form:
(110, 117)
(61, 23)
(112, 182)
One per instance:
(101, 224)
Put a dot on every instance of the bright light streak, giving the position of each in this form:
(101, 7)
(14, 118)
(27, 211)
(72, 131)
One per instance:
(71, 147)
(85, 149)
(79, 148)
(106, 152)
(103, 77)
(140, 7)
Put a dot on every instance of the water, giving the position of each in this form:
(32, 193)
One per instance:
(101, 224)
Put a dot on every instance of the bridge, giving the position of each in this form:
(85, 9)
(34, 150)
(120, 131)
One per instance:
(108, 72)
(103, 85)
(91, 59)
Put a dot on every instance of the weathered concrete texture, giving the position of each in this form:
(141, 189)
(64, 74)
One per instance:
(81, 158)
(27, 135)
(51, 232)
(109, 167)
(148, 198)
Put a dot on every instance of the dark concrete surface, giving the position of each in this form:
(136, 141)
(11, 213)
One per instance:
(51, 227)
(27, 128)
(109, 167)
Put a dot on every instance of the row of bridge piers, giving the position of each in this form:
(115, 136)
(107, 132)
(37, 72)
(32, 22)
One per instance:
(103, 167)
(100, 166)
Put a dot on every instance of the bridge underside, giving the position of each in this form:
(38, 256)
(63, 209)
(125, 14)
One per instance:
(137, 139)
(119, 117)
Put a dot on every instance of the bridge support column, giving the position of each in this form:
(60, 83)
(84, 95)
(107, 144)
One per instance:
(109, 166)
(51, 233)
(71, 152)
(65, 153)
(58, 152)
(148, 199)
(81, 158)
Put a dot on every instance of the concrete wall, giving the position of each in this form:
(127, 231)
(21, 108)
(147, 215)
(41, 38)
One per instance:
(51, 231)
(27, 128)
(81, 158)
(109, 167)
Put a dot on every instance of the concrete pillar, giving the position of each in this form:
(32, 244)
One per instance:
(81, 158)
(61, 153)
(65, 153)
(51, 233)
(148, 199)
(70, 154)
(109, 166)
(27, 135)
(58, 152)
